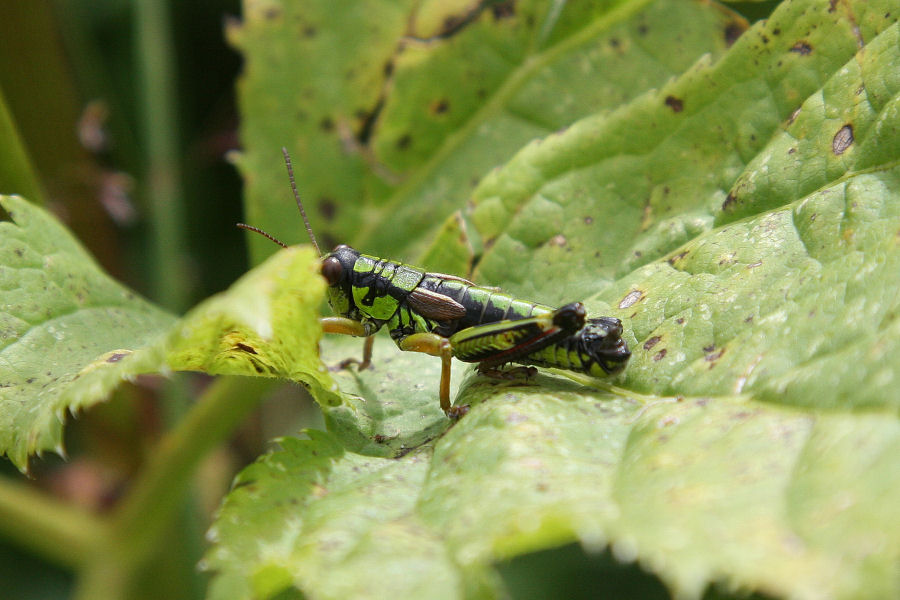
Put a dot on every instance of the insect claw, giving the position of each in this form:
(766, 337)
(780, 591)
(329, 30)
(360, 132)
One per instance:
(457, 412)
(361, 365)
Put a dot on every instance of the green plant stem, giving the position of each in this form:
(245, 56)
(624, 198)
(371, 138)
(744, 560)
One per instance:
(51, 529)
(17, 174)
(163, 188)
(143, 518)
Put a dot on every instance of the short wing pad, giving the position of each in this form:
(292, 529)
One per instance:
(432, 305)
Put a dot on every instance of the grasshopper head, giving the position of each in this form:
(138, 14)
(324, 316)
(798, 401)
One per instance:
(337, 267)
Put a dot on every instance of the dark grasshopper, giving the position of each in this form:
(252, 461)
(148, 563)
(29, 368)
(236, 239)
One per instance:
(449, 316)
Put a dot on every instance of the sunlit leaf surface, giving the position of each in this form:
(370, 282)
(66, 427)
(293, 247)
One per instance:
(742, 219)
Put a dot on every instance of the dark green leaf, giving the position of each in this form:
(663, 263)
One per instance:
(70, 333)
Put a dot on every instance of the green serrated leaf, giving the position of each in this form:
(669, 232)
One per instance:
(70, 333)
(343, 498)
(747, 240)
(463, 104)
(452, 249)
(384, 104)
(266, 325)
(629, 187)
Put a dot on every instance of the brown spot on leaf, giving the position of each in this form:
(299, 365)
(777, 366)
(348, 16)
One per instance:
(245, 348)
(309, 31)
(843, 139)
(326, 124)
(651, 342)
(674, 259)
(676, 104)
(730, 200)
(680, 320)
(659, 355)
(439, 106)
(802, 48)
(712, 358)
(404, 141)
(588, 220)
(115, 357)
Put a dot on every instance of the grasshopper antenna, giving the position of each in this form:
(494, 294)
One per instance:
(290, 170)
(262, 233)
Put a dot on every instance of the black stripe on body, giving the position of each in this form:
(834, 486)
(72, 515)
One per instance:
(483, 305)
(380, 280)
(380, 286)
(563, 354)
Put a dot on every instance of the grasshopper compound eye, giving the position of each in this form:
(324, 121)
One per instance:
(332, 270)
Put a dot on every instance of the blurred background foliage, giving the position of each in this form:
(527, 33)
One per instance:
(117, 102)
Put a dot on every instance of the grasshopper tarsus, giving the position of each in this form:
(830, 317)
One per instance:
(345, 364)
(455, 413)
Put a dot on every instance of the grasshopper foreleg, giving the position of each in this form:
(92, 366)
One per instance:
(347, 326)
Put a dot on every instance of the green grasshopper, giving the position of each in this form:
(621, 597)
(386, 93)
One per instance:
(448, 316)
